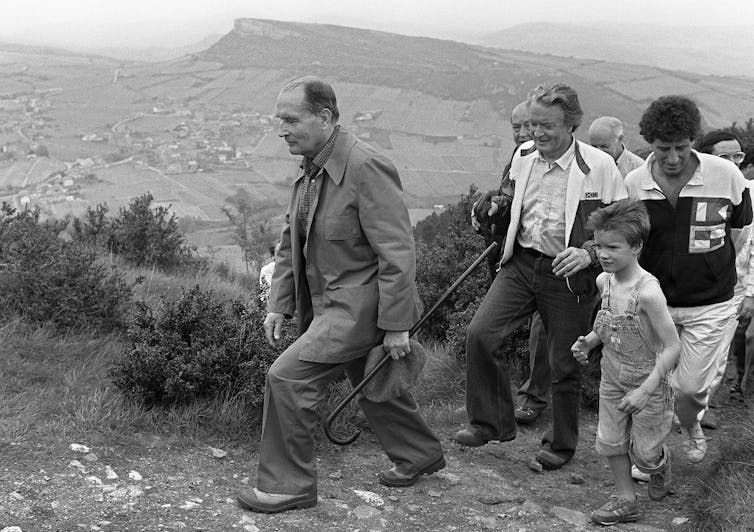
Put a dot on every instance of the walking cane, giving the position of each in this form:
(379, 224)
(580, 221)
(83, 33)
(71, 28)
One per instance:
(338, 409)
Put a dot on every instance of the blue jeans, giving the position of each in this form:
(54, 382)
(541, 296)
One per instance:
(526, 284)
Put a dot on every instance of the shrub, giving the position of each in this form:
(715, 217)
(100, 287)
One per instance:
(44, 278)
(146, 236)
(94, 228)
(445, 246)
(195, 346)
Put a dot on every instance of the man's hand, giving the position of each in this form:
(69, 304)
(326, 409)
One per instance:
(570, 261)
(479, 213)
(396, 343)
(746, 308)
(580, 350)
(273, 327)
(484, 210)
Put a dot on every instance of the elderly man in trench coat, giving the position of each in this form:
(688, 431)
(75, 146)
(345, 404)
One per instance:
(346, 265)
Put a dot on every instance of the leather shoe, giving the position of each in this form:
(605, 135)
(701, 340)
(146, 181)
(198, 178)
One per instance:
(525, 415)
(272, 503)
(550, 459)
(470, 438)
(395, 479)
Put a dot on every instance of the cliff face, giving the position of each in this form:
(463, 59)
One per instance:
(461, 72)
(446, 69)
(261, 28)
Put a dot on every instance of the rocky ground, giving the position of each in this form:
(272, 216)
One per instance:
(155, 484)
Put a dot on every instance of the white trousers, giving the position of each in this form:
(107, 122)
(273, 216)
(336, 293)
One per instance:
(705, 332)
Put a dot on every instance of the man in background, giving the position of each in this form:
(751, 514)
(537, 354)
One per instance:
(697, 205)
(728, 146)
(265, 276)
(606, 133)
(533, 394)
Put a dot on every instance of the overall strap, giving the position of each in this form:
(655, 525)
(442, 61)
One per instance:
(633, 300)
(606, 293)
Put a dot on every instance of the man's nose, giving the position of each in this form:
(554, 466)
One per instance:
(673, 156)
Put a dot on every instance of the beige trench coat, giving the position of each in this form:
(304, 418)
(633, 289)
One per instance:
(355, 276)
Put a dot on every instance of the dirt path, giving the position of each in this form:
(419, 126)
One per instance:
(162, 487)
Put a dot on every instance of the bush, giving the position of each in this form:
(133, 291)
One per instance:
(94, 229)
(445, 246)
(44, 278)
(146, 236)
(195, 347)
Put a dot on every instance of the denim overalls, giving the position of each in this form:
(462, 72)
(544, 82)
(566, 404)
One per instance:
(629, 354)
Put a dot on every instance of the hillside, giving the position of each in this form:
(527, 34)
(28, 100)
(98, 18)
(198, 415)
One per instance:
(195, 130)
(710, 50)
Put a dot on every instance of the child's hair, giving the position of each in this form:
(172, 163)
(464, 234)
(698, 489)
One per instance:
(626, 217)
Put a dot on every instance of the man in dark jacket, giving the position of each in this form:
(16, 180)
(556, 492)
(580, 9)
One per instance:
(346, 266)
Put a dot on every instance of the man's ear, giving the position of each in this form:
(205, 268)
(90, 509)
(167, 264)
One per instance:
(326, 116)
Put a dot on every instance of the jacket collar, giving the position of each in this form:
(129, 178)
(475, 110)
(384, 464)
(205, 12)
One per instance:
(648, 182)
(583, 166)
(529, 147)
(336, 164)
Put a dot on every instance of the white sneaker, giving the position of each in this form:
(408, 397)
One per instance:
(638, 475)
(696, 445)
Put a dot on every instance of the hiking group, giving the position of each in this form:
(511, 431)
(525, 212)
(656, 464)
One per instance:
(646, 258)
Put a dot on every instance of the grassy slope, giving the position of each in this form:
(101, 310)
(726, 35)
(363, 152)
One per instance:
(54, 387)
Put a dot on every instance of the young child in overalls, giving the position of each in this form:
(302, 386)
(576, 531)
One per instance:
(639, 346)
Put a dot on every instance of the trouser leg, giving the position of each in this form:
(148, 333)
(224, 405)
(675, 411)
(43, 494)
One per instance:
(506, 306)
(535, 391)
(701, 331)
(721, 356)
(400, 429)
(565, 317)
(739, 346)
(293, 389)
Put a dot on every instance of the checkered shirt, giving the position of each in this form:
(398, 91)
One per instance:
(308, 191)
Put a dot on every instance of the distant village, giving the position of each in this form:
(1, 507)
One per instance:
(202, 139)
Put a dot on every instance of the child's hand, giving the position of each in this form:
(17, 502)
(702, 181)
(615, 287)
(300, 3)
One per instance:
(580, 350)
(634, 401)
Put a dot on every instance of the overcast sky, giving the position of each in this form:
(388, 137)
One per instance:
(136, 23)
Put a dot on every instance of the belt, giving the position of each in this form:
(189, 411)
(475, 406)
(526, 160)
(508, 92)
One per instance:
(534, 253)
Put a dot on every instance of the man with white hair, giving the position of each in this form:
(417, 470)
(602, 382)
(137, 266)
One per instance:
(606, 134)
(549, 264)
(533, 394)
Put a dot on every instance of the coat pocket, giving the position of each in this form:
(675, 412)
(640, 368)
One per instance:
(342, 227)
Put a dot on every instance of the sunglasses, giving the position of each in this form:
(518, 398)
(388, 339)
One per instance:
(736, 157)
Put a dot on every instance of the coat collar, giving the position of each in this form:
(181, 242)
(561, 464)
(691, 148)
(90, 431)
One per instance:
(528, 149)
(336, 164)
